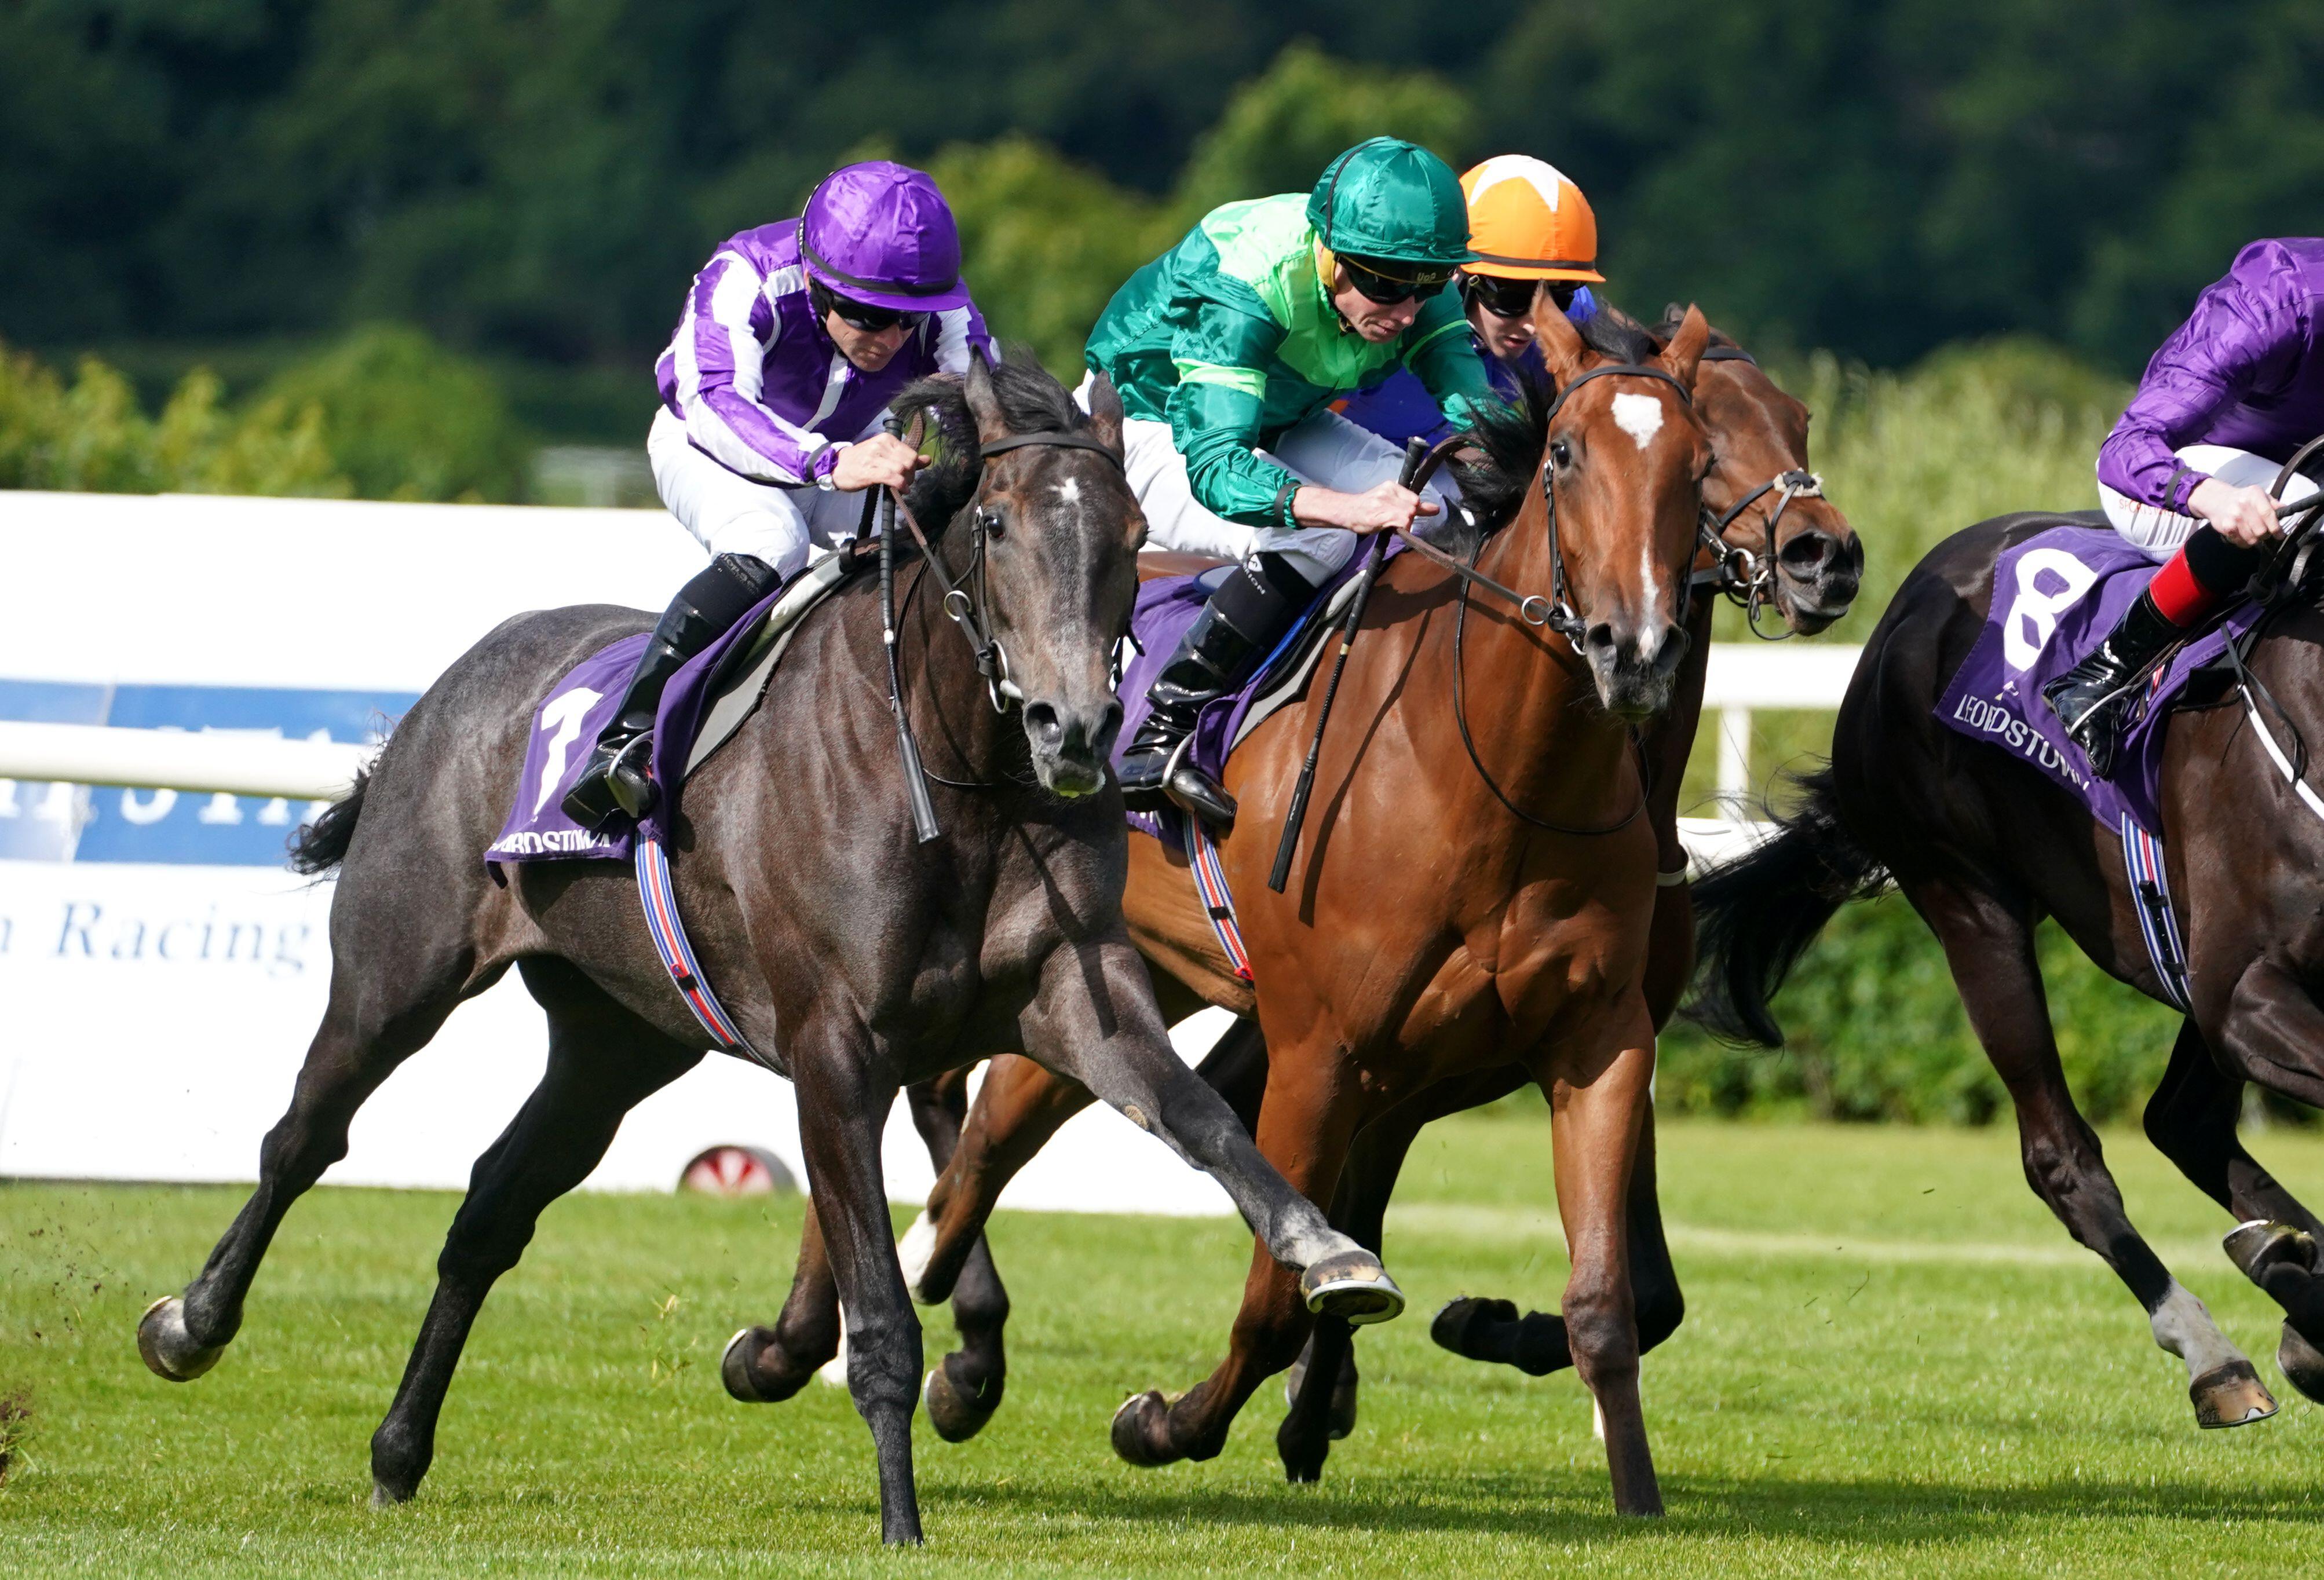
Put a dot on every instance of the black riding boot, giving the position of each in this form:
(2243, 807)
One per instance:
(615, 783)
(1249, 614)
(2093, 699)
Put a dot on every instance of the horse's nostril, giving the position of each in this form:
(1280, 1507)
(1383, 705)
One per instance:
(1600, 638)
(1808, 553)
(1109, 725)
(1042, 719)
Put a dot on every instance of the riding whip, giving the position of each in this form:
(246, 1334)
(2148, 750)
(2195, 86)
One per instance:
(916, 779)
(1415, 456)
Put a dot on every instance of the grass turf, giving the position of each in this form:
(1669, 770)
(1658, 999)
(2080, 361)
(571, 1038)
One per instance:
(1893, 1359)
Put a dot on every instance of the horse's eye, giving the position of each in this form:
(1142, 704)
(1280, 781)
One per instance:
(1561, 454)
(989, 520)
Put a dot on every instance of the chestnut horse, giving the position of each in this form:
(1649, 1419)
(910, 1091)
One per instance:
(1778, 548)
(1500, 761)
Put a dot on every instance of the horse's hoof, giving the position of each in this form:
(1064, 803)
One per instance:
(383, 1496)
(1353, 1287)
(956, 1414)
(1454, 1327)
(2257, 1246)
(734, 1368)
(170, 1351)
(1141, 1429)
(2230, 1395)
(2302, 1362)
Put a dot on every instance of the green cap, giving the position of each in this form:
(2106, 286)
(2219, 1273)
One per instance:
(1388, 198)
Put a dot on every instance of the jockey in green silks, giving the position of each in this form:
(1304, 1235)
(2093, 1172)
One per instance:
(1228, 351)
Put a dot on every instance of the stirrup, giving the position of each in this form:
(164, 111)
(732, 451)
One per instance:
(630, 783)
(1194, 793)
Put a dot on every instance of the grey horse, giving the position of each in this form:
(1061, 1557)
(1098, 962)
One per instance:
(859, 958)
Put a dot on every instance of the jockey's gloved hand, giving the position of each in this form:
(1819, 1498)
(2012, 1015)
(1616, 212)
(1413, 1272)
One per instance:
(882, 461)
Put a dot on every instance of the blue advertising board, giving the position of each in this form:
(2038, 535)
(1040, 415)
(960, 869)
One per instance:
(77, 822)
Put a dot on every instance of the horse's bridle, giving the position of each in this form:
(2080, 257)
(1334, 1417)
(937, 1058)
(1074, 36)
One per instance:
(967, 597)
(1748, 579)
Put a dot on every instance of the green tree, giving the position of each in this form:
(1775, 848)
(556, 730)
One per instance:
(406, 420)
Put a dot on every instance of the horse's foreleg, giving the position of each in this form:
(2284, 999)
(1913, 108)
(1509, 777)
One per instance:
(765, 1365)
(1093, 1018)
(1599, 1101)
(1018, 1109)
(602, 1062)
(2193, 1118)
(380, 1012)
(843, 1105)
(1989, 948)
(1307, 1120)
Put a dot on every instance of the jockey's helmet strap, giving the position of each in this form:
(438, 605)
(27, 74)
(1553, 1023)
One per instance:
(1057, 439)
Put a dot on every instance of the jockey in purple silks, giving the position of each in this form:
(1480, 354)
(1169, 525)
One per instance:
(2185, 474)
(795, 339)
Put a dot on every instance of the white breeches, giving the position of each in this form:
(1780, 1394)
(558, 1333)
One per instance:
(730, 514)
(2158, 533)
(1326, 449)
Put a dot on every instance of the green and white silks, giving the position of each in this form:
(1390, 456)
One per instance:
(1230, 337)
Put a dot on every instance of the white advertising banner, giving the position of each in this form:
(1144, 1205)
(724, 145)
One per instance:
(162, 971)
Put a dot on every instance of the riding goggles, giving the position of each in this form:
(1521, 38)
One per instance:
(861, 315)
(1513, 298)
(1390, 283)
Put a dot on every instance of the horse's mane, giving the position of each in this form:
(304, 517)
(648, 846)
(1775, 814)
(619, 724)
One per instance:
(1031, 400)
(1511, 434)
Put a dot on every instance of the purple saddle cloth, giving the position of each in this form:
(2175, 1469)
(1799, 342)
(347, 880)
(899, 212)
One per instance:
(1165, 609)
(565, 730)
(2055, 598)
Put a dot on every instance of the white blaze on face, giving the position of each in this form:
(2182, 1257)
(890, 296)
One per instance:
(1069, 493)
(1638, 415)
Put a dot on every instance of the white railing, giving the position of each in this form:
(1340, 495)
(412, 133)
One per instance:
(1744, 679)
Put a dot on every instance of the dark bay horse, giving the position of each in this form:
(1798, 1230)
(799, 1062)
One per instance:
(1791, 549)
(1511, 926)
(855, 958)
(1984, 847)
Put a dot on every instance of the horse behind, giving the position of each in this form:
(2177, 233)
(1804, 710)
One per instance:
(855, 958)
(1985, 846)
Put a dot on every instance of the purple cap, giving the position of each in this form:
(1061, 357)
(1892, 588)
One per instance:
(881, 233)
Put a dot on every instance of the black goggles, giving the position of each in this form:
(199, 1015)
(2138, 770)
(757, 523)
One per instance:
(1389, 283)
(861, 315)
(1513, 298)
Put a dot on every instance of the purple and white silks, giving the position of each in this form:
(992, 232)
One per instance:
(2245, 371)
(2055, 598)
(761, 386)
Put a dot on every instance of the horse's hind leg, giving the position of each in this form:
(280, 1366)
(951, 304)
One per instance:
(2192, 1119)
(603, 1062)
(1990, 948)
(391, 991)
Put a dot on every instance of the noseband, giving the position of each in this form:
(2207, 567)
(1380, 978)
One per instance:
(967, 598)
(1748, 579)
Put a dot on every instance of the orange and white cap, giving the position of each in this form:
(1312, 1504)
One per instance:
(1526, 221)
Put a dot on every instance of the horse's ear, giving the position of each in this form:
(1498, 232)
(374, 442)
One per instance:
(1562, 351)
(983, 401)
(1105, 412)
(1684, 356)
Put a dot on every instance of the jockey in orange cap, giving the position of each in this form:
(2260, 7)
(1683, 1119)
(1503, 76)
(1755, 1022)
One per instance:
(1528, 224)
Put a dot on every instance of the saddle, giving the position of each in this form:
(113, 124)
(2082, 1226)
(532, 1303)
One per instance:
(703, 707)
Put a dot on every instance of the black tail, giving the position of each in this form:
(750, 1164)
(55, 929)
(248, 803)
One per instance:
(1756, 916)
(322, 844)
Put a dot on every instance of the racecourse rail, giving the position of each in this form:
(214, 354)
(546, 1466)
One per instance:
(163, 971)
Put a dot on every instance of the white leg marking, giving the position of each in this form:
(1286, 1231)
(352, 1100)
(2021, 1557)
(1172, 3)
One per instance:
(833, 1371)
(914, 1250)
(2183, 1326)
